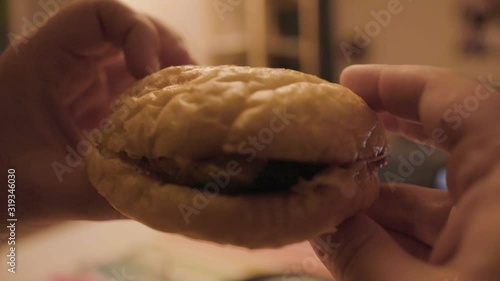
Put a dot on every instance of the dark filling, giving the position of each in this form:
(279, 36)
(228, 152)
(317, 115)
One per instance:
(278, 176)
(246, 177)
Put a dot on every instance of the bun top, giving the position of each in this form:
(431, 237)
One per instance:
(195, 112)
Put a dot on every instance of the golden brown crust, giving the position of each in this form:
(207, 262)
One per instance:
(193, 112)
(253, 221)
(196, 112)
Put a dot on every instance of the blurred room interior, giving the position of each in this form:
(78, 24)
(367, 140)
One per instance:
(320, 37)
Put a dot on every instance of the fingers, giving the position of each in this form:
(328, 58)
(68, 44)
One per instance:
(386, 88)
(481, 238)
(147, 43)
(472, 235)
(411, 130)
(449, 106)
(473, 159)
(172, 50)
(87, 28)
(118, 77)
(415, 211)
(362, 250)
(135, 34)
(93, 106)
(411, 245)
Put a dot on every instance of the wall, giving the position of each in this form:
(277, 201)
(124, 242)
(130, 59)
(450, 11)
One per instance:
(190, 18)
(424, 32)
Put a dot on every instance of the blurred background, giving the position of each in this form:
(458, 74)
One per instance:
(317, 36)
(322, 37)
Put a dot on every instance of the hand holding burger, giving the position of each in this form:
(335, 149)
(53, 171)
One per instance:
(417, 233)
(180, 158)
(60, 82)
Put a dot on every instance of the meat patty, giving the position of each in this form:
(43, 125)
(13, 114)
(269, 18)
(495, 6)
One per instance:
(256, 176)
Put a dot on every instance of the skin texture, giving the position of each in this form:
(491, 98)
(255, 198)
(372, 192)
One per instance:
(410, 232)
(62, 81)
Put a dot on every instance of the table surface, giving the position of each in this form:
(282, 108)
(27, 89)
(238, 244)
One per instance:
(126, 250)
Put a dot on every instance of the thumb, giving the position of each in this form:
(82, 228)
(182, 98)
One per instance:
(362, 250)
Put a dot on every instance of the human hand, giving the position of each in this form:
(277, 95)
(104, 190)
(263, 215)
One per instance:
(408, 234)
(60, 84)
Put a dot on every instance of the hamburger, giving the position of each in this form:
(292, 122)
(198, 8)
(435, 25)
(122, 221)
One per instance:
(255, 157)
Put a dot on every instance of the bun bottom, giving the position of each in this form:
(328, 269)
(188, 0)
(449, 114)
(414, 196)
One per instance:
(310, 208)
